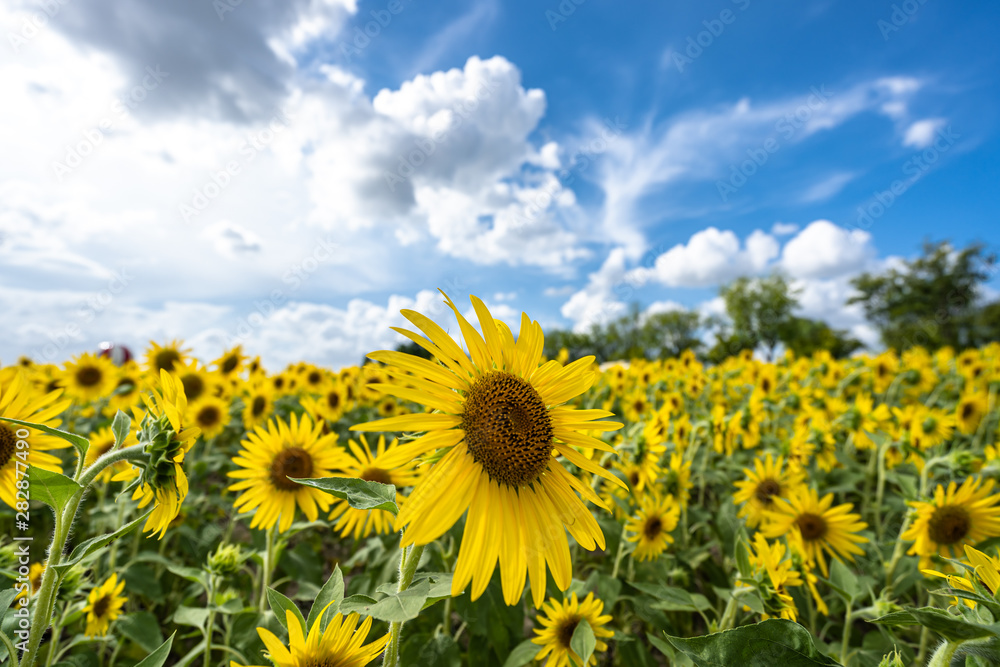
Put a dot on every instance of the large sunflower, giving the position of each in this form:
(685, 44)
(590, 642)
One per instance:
(104, 605)
(88, 378)
(269, 457)
(387, 467)
(559, 623)
(339, 645)
(817, 527)
(19, 401)
(500, 420)
(956, 516)
(764, 485)
(167, 357)
(650, 527)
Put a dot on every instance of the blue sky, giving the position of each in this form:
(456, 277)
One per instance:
(265, 174)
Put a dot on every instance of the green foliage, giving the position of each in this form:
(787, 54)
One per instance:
(766, 644)
(931, 301)
(759, 310)
(805, 337)
(359, 494)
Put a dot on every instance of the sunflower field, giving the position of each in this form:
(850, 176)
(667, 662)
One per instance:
(478, 504)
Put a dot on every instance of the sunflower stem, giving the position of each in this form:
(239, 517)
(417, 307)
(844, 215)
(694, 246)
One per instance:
(11, 651)
(63, 524)
(409, 557)
(618, 556)
(267, 566)
(943, 655)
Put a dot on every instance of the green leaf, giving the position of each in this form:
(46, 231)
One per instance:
(141, 627)
(78, 441)
(331, 594)
(51, 488)
(196, 616)
(670, 598)
(120, 426)
(95, 545)
(952, 628)
(766, 644)
(359, 494)
(989, 603)
(399, 607)
(844, 580)
(279, 604)
(583, 642)
(743, 559)
(6, 598)
(522, 654)
(159, 656)
(662, 646)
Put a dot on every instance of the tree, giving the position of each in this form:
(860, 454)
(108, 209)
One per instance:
(930, 301)
(758, 309)
(805, 337)
(669, 334)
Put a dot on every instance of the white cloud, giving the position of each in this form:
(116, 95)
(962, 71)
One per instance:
(599, 302)
(711, 257)
(826, 187)
(921, 133)
(784, 229)
(824, 250)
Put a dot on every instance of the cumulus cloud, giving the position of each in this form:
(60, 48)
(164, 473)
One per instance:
(921, 133)
(784, 229)
(600, 301)
(825, 250)
(711, 257)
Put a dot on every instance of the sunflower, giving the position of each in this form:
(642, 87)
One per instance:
(559, 623)
(88, 378)
(677, 480)
(956, 516)
(340, 644)
(269, 457)
(766, 483)
(501, 421)
(820, 527)
(329, 405)
(231, 361)
(126, 392)
(210, 415)
(102, 441)
(34, 582)
(258, 405)
(197, 381)
(165, 357)
(387, 466)
(936, 427)
(971, 409)
(770, 559)
(19, 401)
(104, 605)
(313, 379)
(651, 526)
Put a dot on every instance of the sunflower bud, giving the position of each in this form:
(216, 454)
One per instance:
(226, 560)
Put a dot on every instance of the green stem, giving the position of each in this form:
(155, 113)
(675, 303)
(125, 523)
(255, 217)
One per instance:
(846, 643)
(63, 524)
(11, 651)
(880, 451)
(265, 573)
(943, 655)
(408, 559)
(618, 556)
(729, 615)
(211, 620)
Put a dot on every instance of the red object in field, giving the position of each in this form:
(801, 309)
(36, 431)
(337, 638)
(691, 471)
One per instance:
(118, 354)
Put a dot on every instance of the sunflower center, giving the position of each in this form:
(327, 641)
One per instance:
(949, 524)
(633, 478)
(564, 633)
(291, 462)
(208, 416)
(314, 377)
(968, 409)
(88, 376)
(652, 528)
(126, 386)
(8, 444)
(812, 526)
(193, 386)
(229, 364)
(165, 359)
(766, 490)
(259, 403)
(376, 475)
(101, 606)
(507, 428)
(333, 400)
